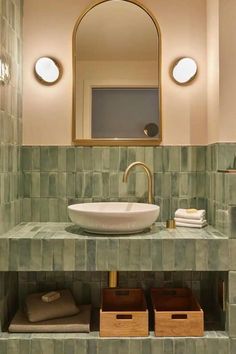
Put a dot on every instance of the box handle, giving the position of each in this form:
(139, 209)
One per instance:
(122, 292)
(169, 292)
(179, 316)
(124, 317)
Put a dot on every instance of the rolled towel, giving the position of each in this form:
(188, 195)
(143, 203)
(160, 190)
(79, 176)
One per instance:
(190, 221)
(38, 310)
(190, 214)
(186, 224)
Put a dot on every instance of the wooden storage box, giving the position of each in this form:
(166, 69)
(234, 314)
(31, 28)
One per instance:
(177, 313)
(123, 313)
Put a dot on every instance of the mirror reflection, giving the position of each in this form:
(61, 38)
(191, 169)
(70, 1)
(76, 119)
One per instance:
(116, 75)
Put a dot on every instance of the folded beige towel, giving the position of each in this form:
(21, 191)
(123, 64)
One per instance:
(191, 221)
(38, 310)
(190, 214)
(76, 323)
(186, 224)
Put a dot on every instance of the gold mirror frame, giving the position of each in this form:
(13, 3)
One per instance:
(115, 141)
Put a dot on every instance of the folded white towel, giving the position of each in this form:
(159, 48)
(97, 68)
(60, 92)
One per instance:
(191, 221)
(185, 224)
(190, 214)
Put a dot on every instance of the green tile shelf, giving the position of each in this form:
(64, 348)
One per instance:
(211, 343)
(49, 246)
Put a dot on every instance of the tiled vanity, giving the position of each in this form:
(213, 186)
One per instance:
(42, 255)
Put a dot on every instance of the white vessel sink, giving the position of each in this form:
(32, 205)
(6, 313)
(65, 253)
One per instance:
(114, 218)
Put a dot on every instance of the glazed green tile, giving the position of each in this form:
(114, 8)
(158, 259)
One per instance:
(49, 158)
(70, 159)
(201, 158)
(35, 153)
(149, 159)
(91, 259)
(226, 156)
(13, 346)
(231, 179)
(69, 255)
(3, 346)
(201, 255)
(185, 159)
(102, 251)
(175, 184)
(62, 158)
(156, 254)
(4, 254)
(58, 245)
(47, 255)
(106, 159)
(157, 345)
(180, 347)
(157, 159)
(62, 209)
(114, 185)
(24, 249)
(62, 184)
(35, 255)
(190, 347)
(232, 346)
(80, 347)
(97, 184)
(114, 159)
(200, 346)
(232, 221)
(69, 346)
(105, 185)
(35, 209)
(171, 158)
(26, 157)
(35, 185)
(44, 184)
(97, 159)
(131, 155)
(25, 346)
(168, 254)
(124, 254)
(113, 254)
(92, 347)
(14, 254)
(53, 184)
(135, 347)
(232, 320)
(80, 254)
(123, 158)
(168, 346)
(184, 255)
(218, 255)
(44, 209)
(87, 159)
(42, 346)
(70, 184)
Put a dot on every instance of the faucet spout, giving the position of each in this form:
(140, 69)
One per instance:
(149, 176)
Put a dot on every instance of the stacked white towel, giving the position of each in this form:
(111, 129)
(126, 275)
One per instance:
(190, 218)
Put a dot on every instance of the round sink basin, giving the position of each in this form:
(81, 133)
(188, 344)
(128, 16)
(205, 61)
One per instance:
(114, 218)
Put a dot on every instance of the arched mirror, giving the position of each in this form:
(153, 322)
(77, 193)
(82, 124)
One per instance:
(117, 75)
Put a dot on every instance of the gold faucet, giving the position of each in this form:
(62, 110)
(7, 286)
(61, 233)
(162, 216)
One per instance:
(149, 176)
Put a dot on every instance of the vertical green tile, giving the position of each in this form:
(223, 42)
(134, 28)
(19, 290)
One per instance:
(70, 159)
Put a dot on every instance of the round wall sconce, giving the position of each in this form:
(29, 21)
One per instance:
(4, 70)
(184, 70)
(47, 70)
(151, 130)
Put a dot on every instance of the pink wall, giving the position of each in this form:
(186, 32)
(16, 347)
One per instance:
(47, 111)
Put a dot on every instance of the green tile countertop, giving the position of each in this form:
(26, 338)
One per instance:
(45, 246)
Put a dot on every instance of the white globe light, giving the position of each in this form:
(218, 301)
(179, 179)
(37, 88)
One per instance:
(47, 70)
(184, 70)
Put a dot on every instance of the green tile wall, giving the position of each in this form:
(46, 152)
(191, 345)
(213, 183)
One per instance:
(53, 177)
(221, 187)
(10, 114)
